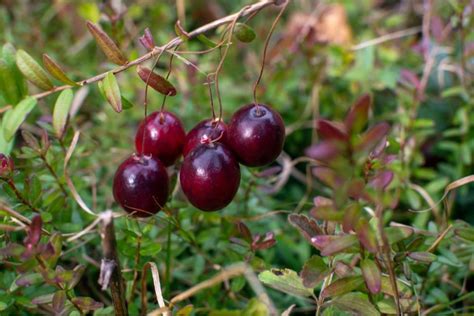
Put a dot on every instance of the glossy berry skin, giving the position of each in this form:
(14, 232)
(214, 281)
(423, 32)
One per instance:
(141, 185)
(210, 176)
(209, 129)
(256, 135)
(164, 137)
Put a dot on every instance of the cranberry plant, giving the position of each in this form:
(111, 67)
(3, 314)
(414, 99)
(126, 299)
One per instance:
(291, 157)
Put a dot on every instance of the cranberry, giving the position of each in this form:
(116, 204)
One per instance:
(256, 134)
(210, 176)
(6, 166)
(209, 129)
(163, 137)
(141, 185)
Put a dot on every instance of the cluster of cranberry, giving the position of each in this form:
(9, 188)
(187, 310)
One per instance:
(212, 151)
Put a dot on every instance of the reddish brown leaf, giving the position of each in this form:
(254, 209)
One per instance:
(333, 131)
(326, 175)
(339, 244)
(107, 45)
(381, 180)
(366, 236)
(342, 286)
(372, 275)
(34, 232)
(244, 231)
(323, 151)
(147, 40)
(373, 136)
(156, 81)
(358, 115)
(307, 227)
(351, 217)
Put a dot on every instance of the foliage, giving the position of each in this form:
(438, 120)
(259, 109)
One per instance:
(365, 212)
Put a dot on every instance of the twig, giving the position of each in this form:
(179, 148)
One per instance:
(110, 272)
(157, 50)
(388, 37)
(20, 196)
(157, 285)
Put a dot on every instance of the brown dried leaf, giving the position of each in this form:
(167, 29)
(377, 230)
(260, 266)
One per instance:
(107, 45)
(156, 81)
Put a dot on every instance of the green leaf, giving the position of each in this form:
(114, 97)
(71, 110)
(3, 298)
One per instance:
(150, 249)
(126, 104)
(111, 92)
(15, 117)
(397, 234)
(342, 286)
(387, 306)
(285, 280)
(55, 70)
(423, 257)
(466, 233)
(356, 304)
(403, 290)
(86, 303)
(372, 275)
(12, 83)
(32, 70)
(314, 271)
(244, 33)
(61, 111)
(206, 41)
(5, 146)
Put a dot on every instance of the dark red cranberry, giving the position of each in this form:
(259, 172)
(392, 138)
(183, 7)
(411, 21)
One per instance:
(164, 137)
(6, 166)
(256, 134)
(210, 176)
(141, 185)
(208, 129)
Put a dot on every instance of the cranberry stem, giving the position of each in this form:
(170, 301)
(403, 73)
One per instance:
(20, 196)
(265, 48)
(224, 55)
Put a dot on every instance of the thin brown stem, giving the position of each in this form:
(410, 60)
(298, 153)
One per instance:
(20, 196)
(54, 174)
(111, 274)
(221, 62)
(157, 50)
(265, 48)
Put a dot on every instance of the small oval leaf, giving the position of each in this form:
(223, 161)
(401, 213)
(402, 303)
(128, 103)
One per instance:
(107, 45)
(423, 257)
(372, 275)
(156, 81)
(14, 117)
(32, 70)
(55, 70)
(111, 92)
(244, 33)
(61, 111)
(342, 286)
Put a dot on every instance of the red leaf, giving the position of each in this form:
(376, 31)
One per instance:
(34, 231)
(324, 151)
(244, 231)
(326, 175)
(381, 180)
(331, 130)
(373, 136)
(147, 40)
(358, 115)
